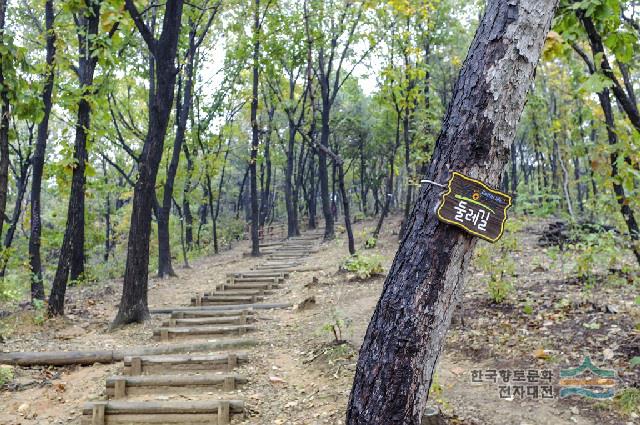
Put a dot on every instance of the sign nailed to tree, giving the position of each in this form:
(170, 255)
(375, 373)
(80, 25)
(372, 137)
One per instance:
(474, 206)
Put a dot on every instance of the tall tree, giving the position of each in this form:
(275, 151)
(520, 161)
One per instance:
(183, 108)
(71, 258)
(35, 261)
(406, 333)
(332, 36)
(133, 304)
(4, 122)
(255, 141)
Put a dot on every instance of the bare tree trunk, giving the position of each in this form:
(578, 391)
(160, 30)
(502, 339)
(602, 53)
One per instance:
(255, 212)
(35, 261)
(406, 333)
(71, 257)
(5, 112)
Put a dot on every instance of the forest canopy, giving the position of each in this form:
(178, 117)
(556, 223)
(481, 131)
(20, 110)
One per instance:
(136, 136)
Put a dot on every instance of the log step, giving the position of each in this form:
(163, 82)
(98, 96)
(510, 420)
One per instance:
(242, 286)
(119, 387)
(256, 273)
(198, 321)
(169, 412)
(211, 313)
(134, 366)
(225, 299)
(233, 291)
(216, 308)
(165, 334)
(256, 279)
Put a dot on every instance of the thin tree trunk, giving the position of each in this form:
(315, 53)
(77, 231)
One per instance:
(35, 261)
(406, 334)
(186, 204)
(255, 237)
(71, 257)
(345, 206)
(183, 107)
(5, 112)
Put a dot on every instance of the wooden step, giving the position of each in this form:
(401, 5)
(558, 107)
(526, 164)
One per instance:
(119, 387)
(211, 313)
(142, 365)
(216, 308)
(168, 333)
(232, 291)
(165, 412)
(257, 273)
(199, 321)
(248, 285)
(265, 279)
(221, 298)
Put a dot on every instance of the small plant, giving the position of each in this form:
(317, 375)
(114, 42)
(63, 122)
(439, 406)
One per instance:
(364, 266)
(370, 243)
(39, 315)
(528, 308)
(499, 288)
(501, 271)
(336, 326)
(6, 375)
(628, 400)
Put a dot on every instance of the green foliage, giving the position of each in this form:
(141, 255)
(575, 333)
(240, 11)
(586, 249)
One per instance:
(337, 326)
(498, 264)
(364, 266)
(6, 375)
(628, 400)
(39, 314)
(595, 251)
(370, 243)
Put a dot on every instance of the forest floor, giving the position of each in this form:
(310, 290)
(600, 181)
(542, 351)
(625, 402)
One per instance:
(299, 374)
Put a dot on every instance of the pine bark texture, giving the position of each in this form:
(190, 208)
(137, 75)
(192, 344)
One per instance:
(406, 333)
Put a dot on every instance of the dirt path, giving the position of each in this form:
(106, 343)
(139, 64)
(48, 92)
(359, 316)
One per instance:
(301, 376)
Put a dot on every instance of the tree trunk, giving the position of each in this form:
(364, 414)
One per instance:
(292, 219)
(323, 173)
(22, 180)
(255, 237)
(5, 112)
(35, 262)
(345, 207)
(388, 195)
(216, 212)
(183, 107)
(406, 334)
(186, 204)
(407, 164)
(265, 195)
(621, 198)
(311, 203)
(133, 304)
(71, 257)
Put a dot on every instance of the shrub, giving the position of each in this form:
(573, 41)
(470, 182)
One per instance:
(364, 266)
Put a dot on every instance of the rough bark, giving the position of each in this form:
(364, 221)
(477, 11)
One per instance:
(35, 261)
(133, 304)
(406, 334)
